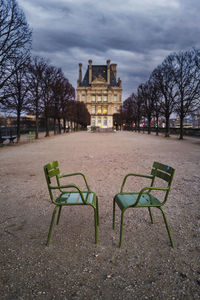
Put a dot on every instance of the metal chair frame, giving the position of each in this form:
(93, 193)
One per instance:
(144, 198)
(69, 194)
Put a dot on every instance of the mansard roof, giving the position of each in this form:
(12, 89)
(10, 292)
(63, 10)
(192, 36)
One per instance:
(96, 71)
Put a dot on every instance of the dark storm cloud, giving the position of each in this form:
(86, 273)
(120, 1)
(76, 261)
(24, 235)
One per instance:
(137, 35)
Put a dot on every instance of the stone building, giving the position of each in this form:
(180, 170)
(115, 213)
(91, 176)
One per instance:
(101, 91)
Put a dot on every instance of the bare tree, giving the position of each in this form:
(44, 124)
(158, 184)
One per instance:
(148, 100)
(68, 94)
(186, 76)
(36, 70)
(16, 89)
(119, 119)
(49, 92)
(71, 112)
(132, 109)
(48, 77)
(163, 79)
(156, 96)
(83, 116)
(15, 39)
(128, 110)
(63, 92)
(138, 106)
(57, 89)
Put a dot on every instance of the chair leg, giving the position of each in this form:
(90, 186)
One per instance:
(59, 212)
(151, 217)
(97, 207)
(113, 213)
(51, 225)
(95, 225)
(167, 226)
(121, 229)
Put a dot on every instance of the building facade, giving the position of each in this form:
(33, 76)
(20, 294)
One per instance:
(101, 91)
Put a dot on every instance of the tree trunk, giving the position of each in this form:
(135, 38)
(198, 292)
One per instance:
(138, 125)
(18, 125)
(156, 125)
(37, 122)
(47, 126)
(71, 126)
(64, 125)
(54, 125)
(181, 120)
(181, 128)
(59, 126)
(149, 125)
(167, 125)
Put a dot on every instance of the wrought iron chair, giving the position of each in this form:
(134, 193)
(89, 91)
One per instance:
(144, 198)
(68, 195)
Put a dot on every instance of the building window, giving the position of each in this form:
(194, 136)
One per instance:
(104, 121)
(93, 122)
(93, 98)
(99, 121)
(99, 110)
(115, 98)
(105, 111)
(93, 109)
(83, 97)
(99, 98)
(105, 98)
(115, 109)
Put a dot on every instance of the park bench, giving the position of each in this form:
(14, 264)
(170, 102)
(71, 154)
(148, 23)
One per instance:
(11, 138)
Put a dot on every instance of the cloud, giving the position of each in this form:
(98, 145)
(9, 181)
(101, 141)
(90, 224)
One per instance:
(137, 35)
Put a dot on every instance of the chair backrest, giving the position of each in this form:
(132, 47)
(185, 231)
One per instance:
(165, 173)
(51, 170)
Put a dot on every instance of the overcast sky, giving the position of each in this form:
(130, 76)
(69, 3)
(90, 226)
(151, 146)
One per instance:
(135, 34)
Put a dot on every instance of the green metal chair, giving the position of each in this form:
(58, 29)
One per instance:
(63, 195)
(144, 197)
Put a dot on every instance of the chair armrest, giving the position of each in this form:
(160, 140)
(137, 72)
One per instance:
(75, 174)
(60, 187)
(136, 175)
(149, 188)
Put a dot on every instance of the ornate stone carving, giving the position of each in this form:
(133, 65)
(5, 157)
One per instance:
(98, 80)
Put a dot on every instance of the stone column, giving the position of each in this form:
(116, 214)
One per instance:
(108, 71)
(114, 70)
(80, 72)
(90, 71)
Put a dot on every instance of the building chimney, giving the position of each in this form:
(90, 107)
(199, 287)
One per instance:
(80, 72)
(114, 70)
(90, 71)
(108, 71)
(119, 82)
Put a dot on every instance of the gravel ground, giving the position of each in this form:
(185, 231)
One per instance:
(73, 267)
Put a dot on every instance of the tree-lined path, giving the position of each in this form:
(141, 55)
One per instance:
(73, 267)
